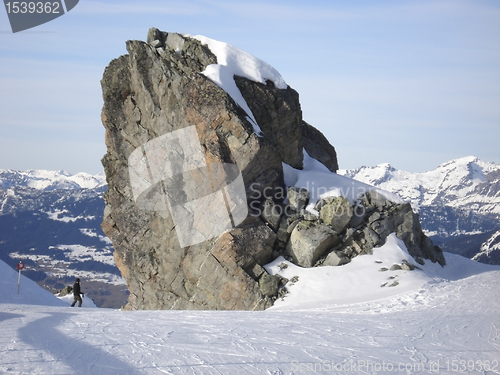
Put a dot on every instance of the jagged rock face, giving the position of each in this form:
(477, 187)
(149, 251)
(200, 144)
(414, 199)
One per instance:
(318, 147)
(490, 250)
(279, 116)
(154, 90)
(155, 93)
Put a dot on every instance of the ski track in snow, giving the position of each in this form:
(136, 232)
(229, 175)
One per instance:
(443, 321)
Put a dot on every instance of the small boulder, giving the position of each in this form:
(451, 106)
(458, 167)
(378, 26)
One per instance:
(337, 213)
(373, 198)
(293, 218)
(383, 227)
(310, 217)
(271, 213)
(268, 285)
(374, 217)
(298, 198)
(292, 226)
(359, 213)
(407, 266)
(282, 234)
(65, 291)
(155, 37)
(309, 241)
(336, 259)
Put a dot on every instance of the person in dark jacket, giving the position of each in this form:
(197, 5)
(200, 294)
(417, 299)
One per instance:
(76, 293)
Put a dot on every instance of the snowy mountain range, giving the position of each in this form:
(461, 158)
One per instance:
(458, 202)
(466, 183)
(490, 250)
(50, 180)
(51, 220)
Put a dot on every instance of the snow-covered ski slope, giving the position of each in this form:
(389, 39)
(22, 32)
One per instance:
(361, 318)
(431, 323)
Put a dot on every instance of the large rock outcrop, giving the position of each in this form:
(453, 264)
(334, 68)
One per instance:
(154, 97)
(157, 89)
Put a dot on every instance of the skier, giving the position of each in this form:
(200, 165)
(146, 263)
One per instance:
(76, 293)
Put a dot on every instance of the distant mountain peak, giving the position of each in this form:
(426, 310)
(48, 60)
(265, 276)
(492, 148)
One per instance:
(463, 160)
(468, 161)
(462, 187)
(386, 167)
(46, 180)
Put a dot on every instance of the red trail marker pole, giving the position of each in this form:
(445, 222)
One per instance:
(20, 267)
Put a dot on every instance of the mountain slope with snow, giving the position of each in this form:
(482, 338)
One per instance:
(432, 324)
(490, 250)
(458, 202)
(30, 293)
(460, 183)
(51, 221)
(49, 180)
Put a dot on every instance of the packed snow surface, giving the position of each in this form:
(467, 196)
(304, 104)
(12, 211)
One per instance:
(30, 293)
(334, 320)
(232, 61)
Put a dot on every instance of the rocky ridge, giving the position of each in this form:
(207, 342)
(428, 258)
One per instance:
(489, 251)
(343, 230)
(161, 87)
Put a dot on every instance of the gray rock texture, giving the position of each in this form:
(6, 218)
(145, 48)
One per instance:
(318, 147)
(298, 198)
(157, 89)
(336, 212)
(269, 285)
(335, 259)
(309, 241)
(373, 219)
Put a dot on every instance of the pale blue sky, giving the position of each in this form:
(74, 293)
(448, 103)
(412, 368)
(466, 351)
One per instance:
(411, 83)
